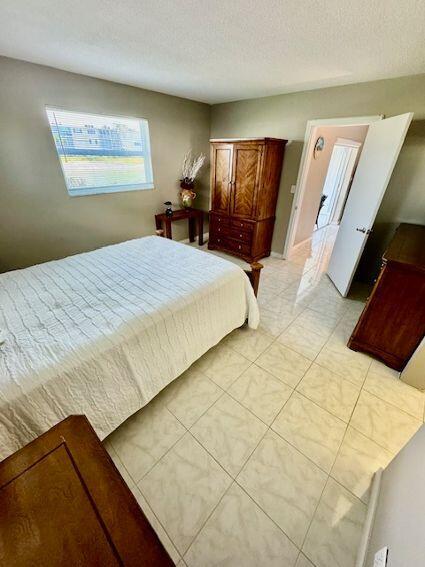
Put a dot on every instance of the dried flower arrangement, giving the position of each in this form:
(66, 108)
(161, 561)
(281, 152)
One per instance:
(190, 169)
(191, 166)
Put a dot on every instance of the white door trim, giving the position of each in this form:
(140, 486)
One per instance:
(347, 142)
(302, 172)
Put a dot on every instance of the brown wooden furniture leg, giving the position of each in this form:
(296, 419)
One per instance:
(254, 275)
(191, 222)
(201, 229)
(168, 232)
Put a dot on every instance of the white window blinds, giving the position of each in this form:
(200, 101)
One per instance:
(101, 154)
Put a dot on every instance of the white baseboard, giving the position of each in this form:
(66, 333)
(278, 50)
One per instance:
(370, 517)
(301, 244)
(187, 241)
(276, 255)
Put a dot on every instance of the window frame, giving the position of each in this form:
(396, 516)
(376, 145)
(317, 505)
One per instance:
(86, 191)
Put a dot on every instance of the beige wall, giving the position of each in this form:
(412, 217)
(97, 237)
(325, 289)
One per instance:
(398, 519)
(414, 372)
(38, 220)
(285, 116)
(316, 175)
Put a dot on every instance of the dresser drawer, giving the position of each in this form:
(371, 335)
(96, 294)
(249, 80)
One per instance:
(242, 225)
(232, 245)
(239, 235)
(219, 220)
(237, 246)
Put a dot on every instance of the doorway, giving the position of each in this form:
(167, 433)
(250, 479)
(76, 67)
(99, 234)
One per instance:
(383, 140)
(337, 183)
(320, 139)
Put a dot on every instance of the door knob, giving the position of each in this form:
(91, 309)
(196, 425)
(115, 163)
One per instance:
(364, 230)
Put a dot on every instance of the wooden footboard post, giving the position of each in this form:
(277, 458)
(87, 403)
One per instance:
(254, 275)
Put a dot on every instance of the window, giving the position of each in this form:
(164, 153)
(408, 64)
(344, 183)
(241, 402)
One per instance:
(101, 154)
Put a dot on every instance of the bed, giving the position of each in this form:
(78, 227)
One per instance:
(101, 333)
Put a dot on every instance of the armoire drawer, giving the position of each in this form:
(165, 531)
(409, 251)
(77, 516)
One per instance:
(242, 225)
(239, 235)
(232, 245)
(219, 220)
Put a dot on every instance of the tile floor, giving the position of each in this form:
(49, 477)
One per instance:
(262, 452)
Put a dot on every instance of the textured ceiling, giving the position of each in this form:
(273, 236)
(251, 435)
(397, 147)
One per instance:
(216, 50)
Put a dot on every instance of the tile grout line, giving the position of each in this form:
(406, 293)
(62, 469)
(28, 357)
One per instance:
(169, 450)
(267, 514)
(246, 460)
(210, 514)
(390, 403)
(149, 504)
(269, 429)
(347, 424)
(300, 451)
(188, 430)
(226, 390)
(229, 474)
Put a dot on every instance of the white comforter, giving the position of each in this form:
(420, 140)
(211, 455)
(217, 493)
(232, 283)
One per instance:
(102, 333)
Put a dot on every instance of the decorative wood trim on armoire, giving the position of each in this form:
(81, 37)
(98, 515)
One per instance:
(245, 176)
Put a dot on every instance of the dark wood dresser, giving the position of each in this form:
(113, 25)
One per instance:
(245, 176)
(393, 321)
(63, 502)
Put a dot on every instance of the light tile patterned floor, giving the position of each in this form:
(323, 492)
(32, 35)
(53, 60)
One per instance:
(262, 452)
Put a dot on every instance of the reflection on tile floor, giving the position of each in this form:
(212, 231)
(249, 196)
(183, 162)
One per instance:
(263, 452)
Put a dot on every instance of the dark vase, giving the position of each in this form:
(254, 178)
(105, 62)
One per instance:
(187, 184)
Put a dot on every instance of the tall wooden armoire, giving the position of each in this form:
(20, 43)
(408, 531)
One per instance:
(245, 176)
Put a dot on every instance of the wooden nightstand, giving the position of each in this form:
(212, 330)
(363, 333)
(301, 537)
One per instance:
(63, 502)
(194, 217)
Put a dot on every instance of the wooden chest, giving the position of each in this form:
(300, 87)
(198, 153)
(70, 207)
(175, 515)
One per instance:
(393, 321)
(63, 502)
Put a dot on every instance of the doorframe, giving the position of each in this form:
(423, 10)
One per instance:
(304, 164)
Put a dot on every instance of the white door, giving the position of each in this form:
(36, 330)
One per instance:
(348, 175)
(334, 180)
(380, 152)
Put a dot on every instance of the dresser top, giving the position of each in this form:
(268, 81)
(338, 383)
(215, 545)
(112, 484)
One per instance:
(408, 246)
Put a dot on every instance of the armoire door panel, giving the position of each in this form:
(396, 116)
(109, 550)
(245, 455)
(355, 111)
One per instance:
(222, 176)
(246, 169)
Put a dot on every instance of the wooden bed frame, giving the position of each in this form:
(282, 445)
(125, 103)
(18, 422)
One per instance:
(253, 274)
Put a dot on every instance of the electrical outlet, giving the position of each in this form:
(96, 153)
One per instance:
(293, 188)
(381, 557)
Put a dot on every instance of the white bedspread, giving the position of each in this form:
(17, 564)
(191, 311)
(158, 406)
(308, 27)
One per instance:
(102, 333)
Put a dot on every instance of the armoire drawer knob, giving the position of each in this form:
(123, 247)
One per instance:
(239, 246)
(240, 236)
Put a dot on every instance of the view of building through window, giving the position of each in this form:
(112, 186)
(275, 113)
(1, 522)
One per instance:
(101, 154)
